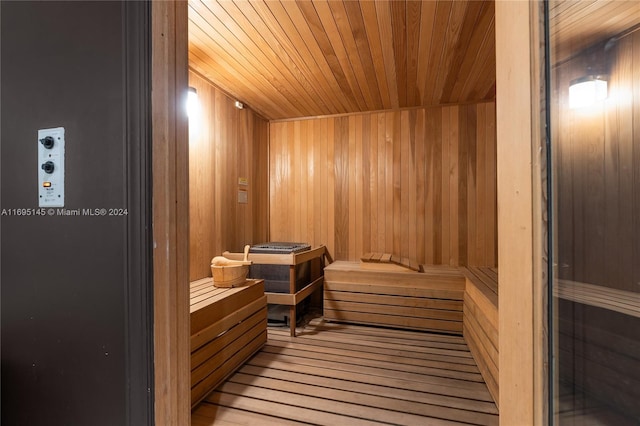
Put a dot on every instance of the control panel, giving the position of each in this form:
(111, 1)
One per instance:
(51, 167)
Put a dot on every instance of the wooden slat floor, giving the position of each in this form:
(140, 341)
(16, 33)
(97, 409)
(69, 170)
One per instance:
(337, 374)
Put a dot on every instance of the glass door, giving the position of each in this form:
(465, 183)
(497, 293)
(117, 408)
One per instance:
(594, 107)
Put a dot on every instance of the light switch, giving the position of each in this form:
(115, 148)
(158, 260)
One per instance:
(51, 167)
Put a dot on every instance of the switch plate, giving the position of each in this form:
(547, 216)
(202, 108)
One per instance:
(51, 185)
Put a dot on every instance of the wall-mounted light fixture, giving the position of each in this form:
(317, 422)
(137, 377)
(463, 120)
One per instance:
(193, 112)
(239, 105)
(587, 91)
(193, 104)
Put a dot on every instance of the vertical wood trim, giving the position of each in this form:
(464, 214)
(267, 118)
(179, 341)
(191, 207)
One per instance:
(170, 213)
(517, 56)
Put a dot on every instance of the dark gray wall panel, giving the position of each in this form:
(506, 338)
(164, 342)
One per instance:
(65, 285)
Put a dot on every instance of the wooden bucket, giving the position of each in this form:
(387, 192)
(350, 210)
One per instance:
(229, 275)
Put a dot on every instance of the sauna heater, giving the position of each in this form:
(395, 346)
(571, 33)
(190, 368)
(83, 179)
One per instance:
(276, 277)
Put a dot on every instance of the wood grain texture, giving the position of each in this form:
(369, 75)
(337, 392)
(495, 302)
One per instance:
(228, 325)
(429, 301)
(170, 213)
(419, 184)
(575, 26)
(308, 58)
(597, 179)
(481, 324)
(514, 115)
(227, 145)
(598, 354)
(597, 156)
(348, 374)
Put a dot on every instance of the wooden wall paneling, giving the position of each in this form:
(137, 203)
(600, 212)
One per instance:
(472, 137)
(597, 353)
(594, 191)
(421, 186)
(170, 205)
(463, 134)
(437, 184)
(260, 182)
(331, 186)
(453, 171)
(481, 141)
(491, 177)
(229, 144)
(389, 182)
(625, 123)
(274, 168)
(394, 132)
(351, 178)
(399, 182)
(636, 154)
(201, 176)
(405, 193)
(322, 186)
(311, 170)
(444, 188)
(611, 146)
(564, 182)
(596, 176)
(291, 195)
(357, 176)
(367, 193)
(295, 202)
(341, 194)
(429, 256)
(409, 129)
(243, 157)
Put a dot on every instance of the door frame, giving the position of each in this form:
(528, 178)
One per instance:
(170, 206)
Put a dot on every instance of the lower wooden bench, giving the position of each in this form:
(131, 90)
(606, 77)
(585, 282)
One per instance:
(228, 325)
(481, 322)
(430, 301)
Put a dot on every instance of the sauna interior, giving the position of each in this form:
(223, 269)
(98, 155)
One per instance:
(368, 129)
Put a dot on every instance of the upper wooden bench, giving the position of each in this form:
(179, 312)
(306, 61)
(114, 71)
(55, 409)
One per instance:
(394, 297)
(228, 325)
(480, 323)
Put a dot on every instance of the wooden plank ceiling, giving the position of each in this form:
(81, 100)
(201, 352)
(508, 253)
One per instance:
(579, 24)
(289, 59)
